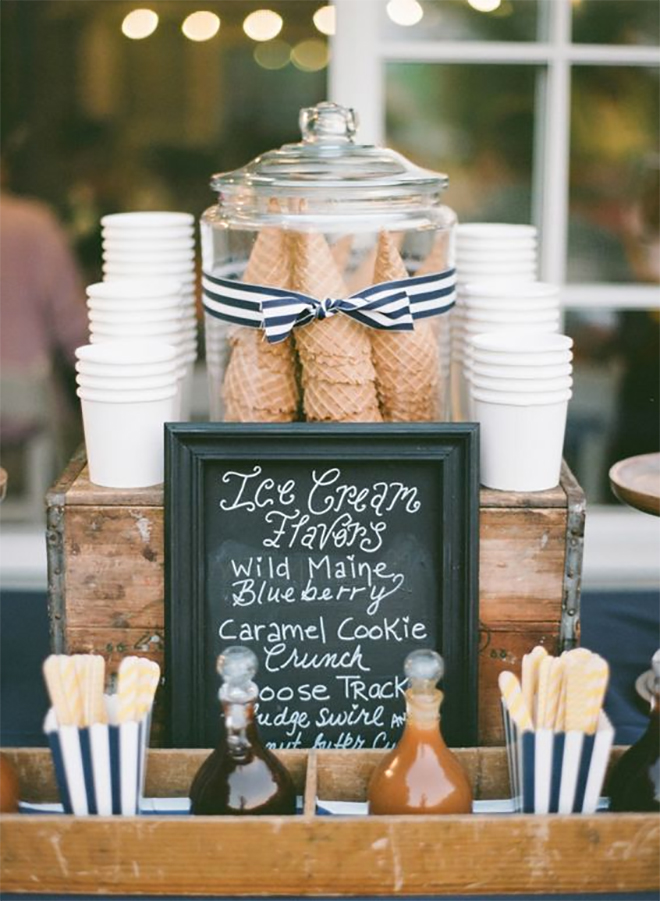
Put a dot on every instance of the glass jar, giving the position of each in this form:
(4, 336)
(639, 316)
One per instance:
(328, 275)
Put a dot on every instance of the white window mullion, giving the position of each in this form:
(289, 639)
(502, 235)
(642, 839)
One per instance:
(356, 75)
(553, 169)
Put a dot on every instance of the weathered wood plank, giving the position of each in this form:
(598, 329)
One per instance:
(330, 855)
(114, 573)
(521, 564)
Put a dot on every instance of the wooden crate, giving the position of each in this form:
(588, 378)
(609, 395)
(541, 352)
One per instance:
(106, 576)
(324, 855)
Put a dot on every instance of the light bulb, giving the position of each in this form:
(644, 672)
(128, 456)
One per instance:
(484, 6)
(201, 26)
(325, 19)
(405, 12)
(139, 24)
(262, 25)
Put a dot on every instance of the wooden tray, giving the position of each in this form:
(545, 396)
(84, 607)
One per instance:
(324, 855)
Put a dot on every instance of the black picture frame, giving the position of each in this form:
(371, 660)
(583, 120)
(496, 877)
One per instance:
(440, 462)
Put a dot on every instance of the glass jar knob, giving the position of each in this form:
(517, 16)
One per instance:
(328, 122)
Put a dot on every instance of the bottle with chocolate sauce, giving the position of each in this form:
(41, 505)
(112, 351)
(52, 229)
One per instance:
(635, 781)
(421, 774)
(241, 776)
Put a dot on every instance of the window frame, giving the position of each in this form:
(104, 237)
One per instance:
(357, 79)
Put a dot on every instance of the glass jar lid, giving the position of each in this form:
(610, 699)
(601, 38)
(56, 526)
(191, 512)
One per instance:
(329, 159)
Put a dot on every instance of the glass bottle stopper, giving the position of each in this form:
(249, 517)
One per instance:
(237, 665)
(424, 669)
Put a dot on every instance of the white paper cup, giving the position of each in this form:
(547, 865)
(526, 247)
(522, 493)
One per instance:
(127, 352)
(179, 271)
(162, 331)
(142, 219)
(153, 243)
(136, 306)
(501, 268)
(530, 342)
(137, 255)
(512, 304)
(124, 439)
(533, 359)
(472, 253)
(137, 383)
(474, 314)
(494, 231)
(532, 291)
(521, 441)
(505, 386)
(120, 372)
(138, 288)
(472, 329)
(172, 315)
(520, 372)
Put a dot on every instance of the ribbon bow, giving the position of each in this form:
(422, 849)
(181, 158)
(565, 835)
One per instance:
(393, 306)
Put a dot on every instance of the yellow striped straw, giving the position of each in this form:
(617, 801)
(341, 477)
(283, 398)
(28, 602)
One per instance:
(96, 709)
(530, 677)
(51, 670)
(514, 700)
(148, 683)
(598, 673)
(127, 689)
(560, 718)
(542, 691)
(554, 693)
(70, 687)
(578, 692)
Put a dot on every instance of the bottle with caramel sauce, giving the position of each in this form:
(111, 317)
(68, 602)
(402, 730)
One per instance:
(241, 776)
(635, 781)
(421, 774)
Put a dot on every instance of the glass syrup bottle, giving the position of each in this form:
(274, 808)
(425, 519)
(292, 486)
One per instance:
(635, 781)
(241, 776)
(421, 774)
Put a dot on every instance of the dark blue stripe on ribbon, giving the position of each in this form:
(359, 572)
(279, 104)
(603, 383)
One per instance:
(115, 768)
(404, 296)
(235, 301)
(88, 772)
(60, 772)
(588, 742)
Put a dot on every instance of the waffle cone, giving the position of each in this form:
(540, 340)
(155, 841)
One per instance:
(341, 251)
(438, 258)
(335, 354)
(260, 380)
(407, 363)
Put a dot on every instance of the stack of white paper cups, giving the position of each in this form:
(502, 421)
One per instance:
(156, 245)
(530, 306)
(127, 389)
(142, 309)
(520, 387)
(489, 254)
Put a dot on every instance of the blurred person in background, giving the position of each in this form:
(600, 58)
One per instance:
(42, 320)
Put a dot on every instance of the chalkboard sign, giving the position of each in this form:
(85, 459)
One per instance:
(332, 551)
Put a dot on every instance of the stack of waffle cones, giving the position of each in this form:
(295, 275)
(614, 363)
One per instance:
(260, 381)
(338, 377)
(407, 363)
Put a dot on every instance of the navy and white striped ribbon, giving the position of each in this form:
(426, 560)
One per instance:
(392, 306)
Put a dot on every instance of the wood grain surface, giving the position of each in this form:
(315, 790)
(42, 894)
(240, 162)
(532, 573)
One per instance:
(308, 855)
